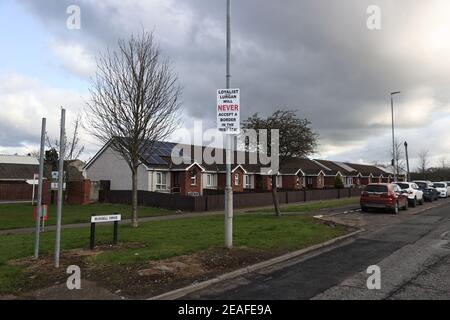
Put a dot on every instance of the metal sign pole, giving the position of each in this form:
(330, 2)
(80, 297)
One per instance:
(33, 192)
(60, 187)
(228, 137)
(39, 200)
(43, 220)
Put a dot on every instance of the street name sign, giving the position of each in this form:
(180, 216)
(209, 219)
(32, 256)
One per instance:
(115, 218)
(109, 218)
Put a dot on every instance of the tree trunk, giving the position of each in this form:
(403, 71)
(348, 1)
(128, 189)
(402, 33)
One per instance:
(276, 205)
(134, 200)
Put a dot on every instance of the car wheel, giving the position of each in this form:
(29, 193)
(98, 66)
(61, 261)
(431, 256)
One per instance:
(395, 209)
(421, 201)
(405, 207)
(414, 203)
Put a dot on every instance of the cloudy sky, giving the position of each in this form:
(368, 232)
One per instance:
(316, 56)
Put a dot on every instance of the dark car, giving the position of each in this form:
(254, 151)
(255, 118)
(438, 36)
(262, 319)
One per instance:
(383, 196)
(429, 192)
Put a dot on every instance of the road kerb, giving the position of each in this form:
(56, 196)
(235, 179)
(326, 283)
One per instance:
(179, 293)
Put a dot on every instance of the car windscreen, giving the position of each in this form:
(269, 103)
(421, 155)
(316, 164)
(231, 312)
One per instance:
(422, 184)
(403, 185)
(376, 188)
(439, 185)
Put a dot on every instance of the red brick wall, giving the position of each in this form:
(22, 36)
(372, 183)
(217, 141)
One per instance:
(185, 181)
(267, 183)
(291, 182)
(221, 181)
(319, 181)
(329, 182)
(240, 173)
(78, 192)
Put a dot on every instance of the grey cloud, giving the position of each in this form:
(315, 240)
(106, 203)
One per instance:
(316, 56)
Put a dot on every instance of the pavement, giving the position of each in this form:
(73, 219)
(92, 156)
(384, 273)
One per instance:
(412, 250)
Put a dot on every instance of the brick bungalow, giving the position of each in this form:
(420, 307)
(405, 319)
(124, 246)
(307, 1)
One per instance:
(163, 170)
(349, 176)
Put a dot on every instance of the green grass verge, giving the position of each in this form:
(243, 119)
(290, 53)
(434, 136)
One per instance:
(14, 216)
(313, 206)
(164, 239)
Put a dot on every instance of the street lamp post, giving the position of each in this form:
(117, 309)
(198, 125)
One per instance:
(407, 161)
(393, 135)
(228, 142)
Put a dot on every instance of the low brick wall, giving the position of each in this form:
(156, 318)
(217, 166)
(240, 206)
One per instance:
(216, 201)
(79, 192)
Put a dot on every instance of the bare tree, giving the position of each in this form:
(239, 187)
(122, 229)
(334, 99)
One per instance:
(297, 140)
(135, 98)
(423, 156)
(397, 154)
(72, 146)
(34, 153)
(443, 162)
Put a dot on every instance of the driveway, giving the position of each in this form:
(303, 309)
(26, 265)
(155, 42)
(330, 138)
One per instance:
(412, 250)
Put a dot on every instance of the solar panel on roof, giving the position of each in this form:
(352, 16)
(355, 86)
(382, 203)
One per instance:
(164, 152)
(154, 159)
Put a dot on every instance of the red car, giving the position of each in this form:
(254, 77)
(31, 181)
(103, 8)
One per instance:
(383, 196)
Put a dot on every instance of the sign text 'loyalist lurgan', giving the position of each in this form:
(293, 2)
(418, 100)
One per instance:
(228, 110)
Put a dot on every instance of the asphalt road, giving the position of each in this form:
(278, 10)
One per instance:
(411, 249)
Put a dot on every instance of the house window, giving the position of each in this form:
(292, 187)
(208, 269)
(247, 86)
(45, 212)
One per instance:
(279, 181)
(209, 180)
(236, 179)
(248, 181)
(193, 178)
(161, 181)
(349, 181)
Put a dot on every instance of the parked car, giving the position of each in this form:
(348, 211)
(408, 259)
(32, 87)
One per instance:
(429, 192)
(441, 187)
(412, 191)
(448, 187)
(383, 196)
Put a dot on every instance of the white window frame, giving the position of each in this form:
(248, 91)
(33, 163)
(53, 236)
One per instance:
(279, 181)
(193, 179)
(236, 179)
(160, 184)
(209, 180)
(248, 184)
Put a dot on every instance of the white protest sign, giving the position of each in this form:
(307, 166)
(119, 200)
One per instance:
(228, 111)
